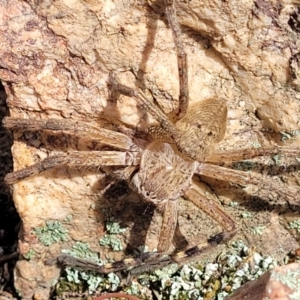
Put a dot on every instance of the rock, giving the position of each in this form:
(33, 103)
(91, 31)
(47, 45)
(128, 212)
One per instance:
(279, 283)
(55, 58)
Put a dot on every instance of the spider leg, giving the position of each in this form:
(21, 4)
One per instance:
(148, 105)
(199, 195)
(182, 72)
(244, 178)
(135, 264)
(166, 125)
(168, 227)
(181, 60)
(112, 138)
(242, 154)
(151, 260)
(77, 160)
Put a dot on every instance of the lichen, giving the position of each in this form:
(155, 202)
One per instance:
(291, 279)
(111, 238)
(30, 254)
(213, 280)
(295, 225)
(52, 232)
(197, 280)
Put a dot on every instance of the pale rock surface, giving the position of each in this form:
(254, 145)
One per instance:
(280, 283)
(55, 57)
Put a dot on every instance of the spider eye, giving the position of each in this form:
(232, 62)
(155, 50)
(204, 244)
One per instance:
(199, 125)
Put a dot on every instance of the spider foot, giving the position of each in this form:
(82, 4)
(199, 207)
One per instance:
(117, 88)
(213, 241)
(154, 261)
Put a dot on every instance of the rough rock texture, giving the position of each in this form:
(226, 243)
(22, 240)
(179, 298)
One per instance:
(280, 283)
(55, 57)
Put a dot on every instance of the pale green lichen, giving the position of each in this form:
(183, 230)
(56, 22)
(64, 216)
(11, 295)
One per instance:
(257, 230)
(295, 225)
(210, 281)
(134, 289)
(92, 280)
(52, 232)
(292, 280)
(246, 215)
(245, 165)
(82, 250)
(277, 159)
(111, 238)
(256, 145)
(113, 227)
(112, 241)
(199, 280)
(68, 218)
(233, 204)
(30, 254)
(289, 134)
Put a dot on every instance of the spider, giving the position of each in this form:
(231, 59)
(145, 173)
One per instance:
(162, 169)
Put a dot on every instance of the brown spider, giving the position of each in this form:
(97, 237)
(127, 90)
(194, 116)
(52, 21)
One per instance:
(162, 170)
